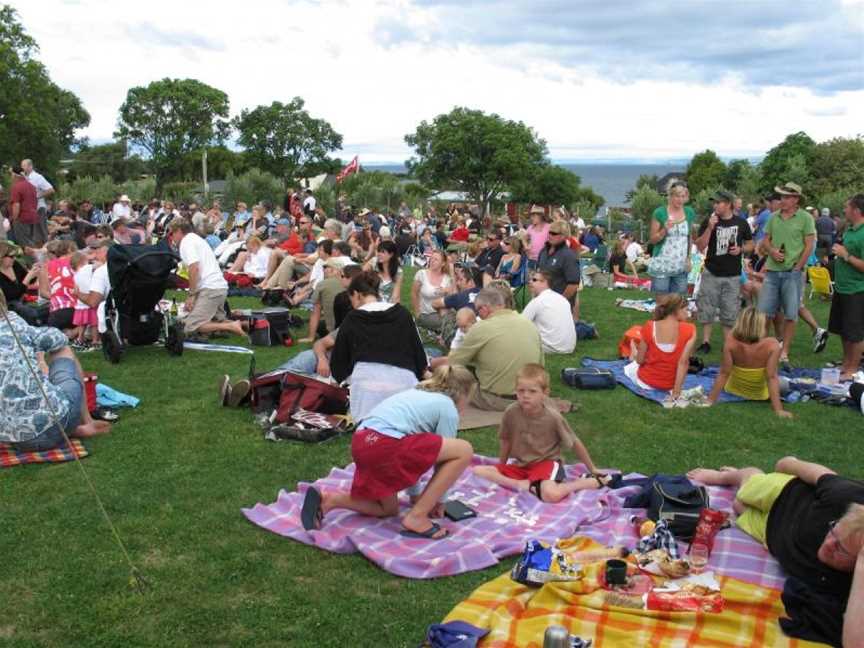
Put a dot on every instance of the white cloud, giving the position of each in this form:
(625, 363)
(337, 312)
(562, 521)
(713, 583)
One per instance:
(354, 66)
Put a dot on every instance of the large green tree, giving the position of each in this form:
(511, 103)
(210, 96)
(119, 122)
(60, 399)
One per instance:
(471, 151)
(171, 118)
(111, 159)
(548, 185)
(285, 140)
(221, 161)
(837, 165)
(789, 158)
(705, 170)
(38, 119)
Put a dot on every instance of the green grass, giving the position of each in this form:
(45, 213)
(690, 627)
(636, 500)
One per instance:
(175, 472)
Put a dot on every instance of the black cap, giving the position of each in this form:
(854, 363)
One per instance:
(723, 196)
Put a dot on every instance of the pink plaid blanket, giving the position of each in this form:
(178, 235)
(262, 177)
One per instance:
(504, 522)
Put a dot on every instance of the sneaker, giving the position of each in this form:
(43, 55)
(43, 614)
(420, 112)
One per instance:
(820, 340)
(239, 391)
(224, 390)
(704, 348)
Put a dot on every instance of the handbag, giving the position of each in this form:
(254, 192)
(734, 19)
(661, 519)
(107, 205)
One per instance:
(679, 504)
(588, 378)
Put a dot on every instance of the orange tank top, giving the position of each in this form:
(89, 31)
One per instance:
(660, 366)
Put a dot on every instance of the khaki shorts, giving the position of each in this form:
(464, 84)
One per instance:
(209, 307)
(758, 495)
(490, 402)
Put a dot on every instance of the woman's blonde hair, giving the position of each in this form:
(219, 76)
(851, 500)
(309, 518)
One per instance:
(751, 326)
(445, 263)
(503, 287)
(515, 244)
(8, 247)
(77, 260)
(60, 247)
(668, 305)
(254, 241)
(454, 381)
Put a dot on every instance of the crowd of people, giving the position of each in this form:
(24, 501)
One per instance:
(347, 268)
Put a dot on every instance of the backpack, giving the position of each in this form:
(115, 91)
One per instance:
(588, 378)
(679, 504)
(300, 392)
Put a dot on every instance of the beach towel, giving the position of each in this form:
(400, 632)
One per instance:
(517, 616)
(109, 397)
(10, 457)
(224, 348)
(647, 305)
(704, 379)
(505, 521)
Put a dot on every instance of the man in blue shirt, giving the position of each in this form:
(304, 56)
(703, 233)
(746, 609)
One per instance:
(772, 204)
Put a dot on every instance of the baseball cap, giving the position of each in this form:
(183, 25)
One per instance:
(723, 196)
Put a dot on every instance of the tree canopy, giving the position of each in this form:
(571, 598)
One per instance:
(111, 159)
(705, 170)
(38, 119)
(170, 118)
(787, 161)
(474, 152)
(285, 140)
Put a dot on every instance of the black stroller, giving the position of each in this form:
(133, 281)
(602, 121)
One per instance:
(139, 276)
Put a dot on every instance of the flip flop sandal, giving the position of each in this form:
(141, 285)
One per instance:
(428, 534)
(224, 389)
(311, 515)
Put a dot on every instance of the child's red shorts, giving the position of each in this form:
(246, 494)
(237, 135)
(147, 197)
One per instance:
(540, 471)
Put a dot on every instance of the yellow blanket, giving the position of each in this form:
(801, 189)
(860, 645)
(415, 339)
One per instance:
(517, 617)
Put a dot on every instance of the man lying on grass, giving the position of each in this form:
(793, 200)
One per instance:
(26, 421)
(812, 521)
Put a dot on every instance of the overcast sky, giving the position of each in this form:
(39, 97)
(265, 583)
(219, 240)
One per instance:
(597, 79)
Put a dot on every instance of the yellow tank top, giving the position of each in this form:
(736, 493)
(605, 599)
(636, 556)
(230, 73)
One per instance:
(748, 383)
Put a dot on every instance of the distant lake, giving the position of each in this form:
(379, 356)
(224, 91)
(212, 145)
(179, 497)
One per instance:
(612, 181)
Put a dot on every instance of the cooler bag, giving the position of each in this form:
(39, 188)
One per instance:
(90, 380)
(280, 320)
(588, 378)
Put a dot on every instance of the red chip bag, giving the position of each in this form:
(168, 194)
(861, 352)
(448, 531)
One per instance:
(684, 602)
(710, 522)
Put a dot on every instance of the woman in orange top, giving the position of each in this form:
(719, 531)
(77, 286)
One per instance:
(661, 359)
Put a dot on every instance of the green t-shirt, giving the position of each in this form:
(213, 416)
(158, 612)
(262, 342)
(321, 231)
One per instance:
(790, 233)
(661, 215)
(325, 294)
(848, 280)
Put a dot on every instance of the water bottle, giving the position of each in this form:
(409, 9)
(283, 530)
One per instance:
(556, 637)
(793, 397)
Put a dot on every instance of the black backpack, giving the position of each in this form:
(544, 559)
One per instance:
(679, 504)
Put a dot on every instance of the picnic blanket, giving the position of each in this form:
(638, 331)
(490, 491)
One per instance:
(10, 457)
(517, 616)
(505, 521)
(704, 379)
(647, 305)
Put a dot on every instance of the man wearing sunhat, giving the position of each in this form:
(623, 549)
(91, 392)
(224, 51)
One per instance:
(561, 263)
(723, 238)
(122, 208)
(790, 237)
(847, 305)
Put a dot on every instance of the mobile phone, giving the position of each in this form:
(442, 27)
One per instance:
(457, 511)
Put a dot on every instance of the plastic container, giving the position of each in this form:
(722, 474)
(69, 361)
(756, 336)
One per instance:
(830, 376)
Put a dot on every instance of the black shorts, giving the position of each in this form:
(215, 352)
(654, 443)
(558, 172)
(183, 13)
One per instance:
(847, 316)
(62, 318)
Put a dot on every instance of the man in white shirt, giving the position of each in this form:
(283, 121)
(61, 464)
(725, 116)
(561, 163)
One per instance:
(634, 253)
(309, 203)
(122, 208)
(205, 312)
(100, 284)
(550, 312)
(43, 187)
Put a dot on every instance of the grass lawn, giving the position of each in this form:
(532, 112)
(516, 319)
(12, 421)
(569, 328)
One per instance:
(176, 471)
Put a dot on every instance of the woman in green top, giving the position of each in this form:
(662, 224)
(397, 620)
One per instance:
(670, 236)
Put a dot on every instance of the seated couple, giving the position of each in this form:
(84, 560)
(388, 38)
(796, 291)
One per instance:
(28, 422)
(414, 431)
(750, 357)
(812, 521)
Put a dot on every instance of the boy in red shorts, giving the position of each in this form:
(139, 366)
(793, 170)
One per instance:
(532, 433)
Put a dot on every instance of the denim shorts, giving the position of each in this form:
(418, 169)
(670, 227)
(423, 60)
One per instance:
(674, 284)
(781, 292)
(63, 374)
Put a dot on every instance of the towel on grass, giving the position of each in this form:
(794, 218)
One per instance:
(516, 615)
(10, 457)
(704, 379)
(109, 397)
(505, 521)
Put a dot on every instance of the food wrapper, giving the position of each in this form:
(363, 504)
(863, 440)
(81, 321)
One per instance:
(709, 524)
(541, 563)
(684, 601)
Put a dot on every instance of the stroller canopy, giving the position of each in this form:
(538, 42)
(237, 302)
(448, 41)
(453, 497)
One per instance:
(139, 275)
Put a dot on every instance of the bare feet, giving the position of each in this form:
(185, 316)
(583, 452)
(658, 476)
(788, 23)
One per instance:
(94, 428)
(711, 477)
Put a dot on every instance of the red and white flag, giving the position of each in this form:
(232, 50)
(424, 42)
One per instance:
(352, 167)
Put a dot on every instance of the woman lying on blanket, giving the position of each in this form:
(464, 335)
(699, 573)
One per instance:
(400, 439)
(661, 359)
(532, 433)
(750, 359)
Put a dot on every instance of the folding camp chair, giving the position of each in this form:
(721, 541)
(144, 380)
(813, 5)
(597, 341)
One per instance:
(820, 281)
(519, 283)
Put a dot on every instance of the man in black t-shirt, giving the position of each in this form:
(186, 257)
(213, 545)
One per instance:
(812, 521)
(490, 257)
(723, 238)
